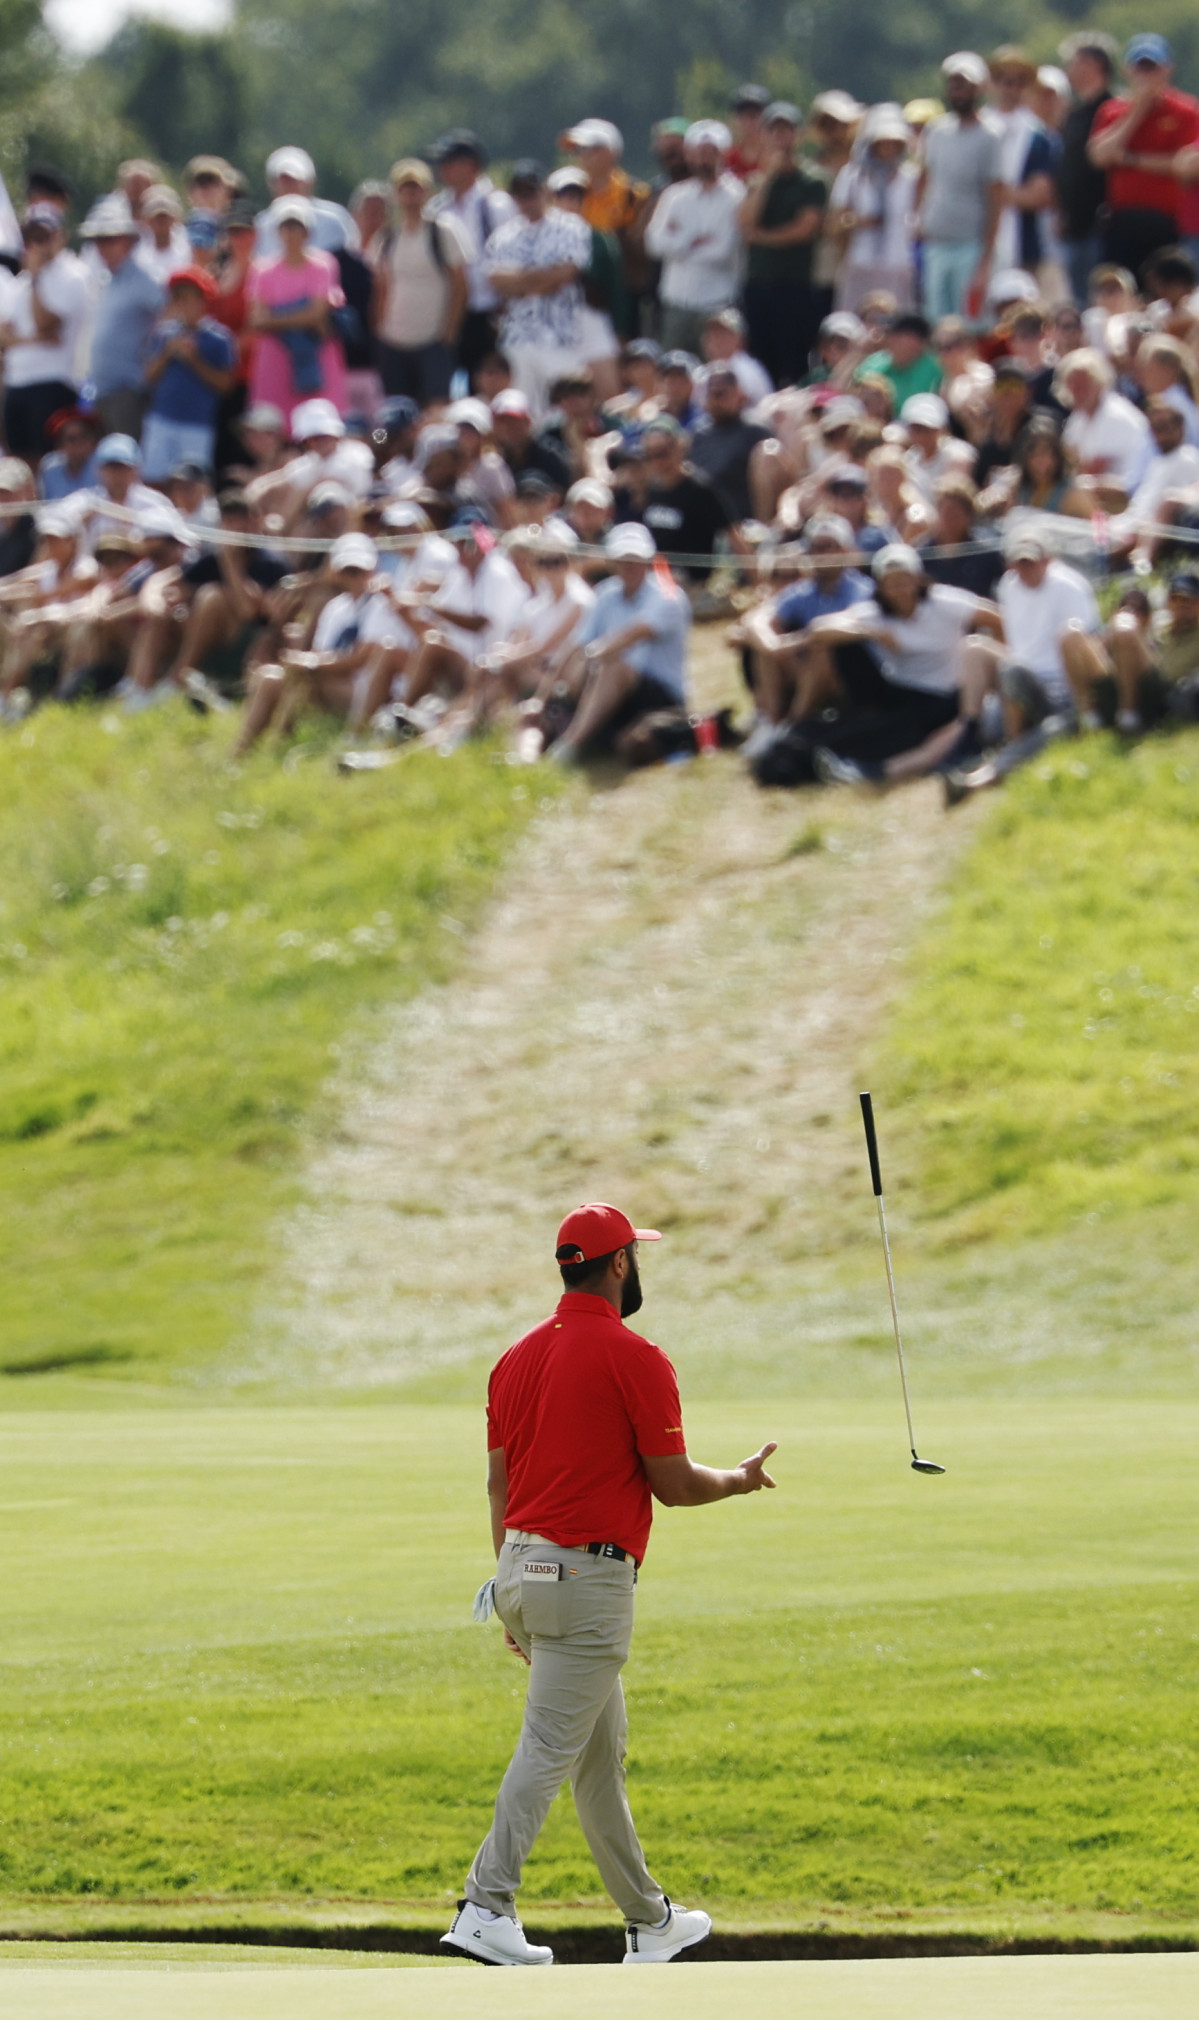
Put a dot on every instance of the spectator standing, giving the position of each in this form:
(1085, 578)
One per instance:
(1135, 139)
(165, 246)
(420, 292)
(747, 145)
(1027, 161)
(127, 308)
(290, 298)
(780, 219)
(614, 204)
(370, 208)
(694, 231)
(39, 337)
(872, 206)
(478, 208)
(1081, 187)
(290, 172)
(605, 307)
(193, 362)
(536, 263)
(832, 126)
(211, 184)
(960, 194)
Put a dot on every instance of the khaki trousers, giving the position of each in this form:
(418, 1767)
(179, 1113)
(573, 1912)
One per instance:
(576, 1631)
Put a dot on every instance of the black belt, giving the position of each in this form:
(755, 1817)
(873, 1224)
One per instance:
(611, 1550)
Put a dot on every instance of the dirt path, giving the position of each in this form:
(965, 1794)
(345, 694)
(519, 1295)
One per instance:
(670, 1004)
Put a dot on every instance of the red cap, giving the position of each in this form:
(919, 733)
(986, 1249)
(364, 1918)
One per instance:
(195, 277)
(596, 1230)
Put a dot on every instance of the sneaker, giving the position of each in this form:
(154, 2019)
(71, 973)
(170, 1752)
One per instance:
(1128, 721)
(203, 695)
(499, 1940)
(682, 1928)
(832, 770)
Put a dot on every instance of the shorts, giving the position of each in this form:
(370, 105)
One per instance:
(167, 444)
(225, 665)
(1031, 695)
(597, 338)
(646, 697)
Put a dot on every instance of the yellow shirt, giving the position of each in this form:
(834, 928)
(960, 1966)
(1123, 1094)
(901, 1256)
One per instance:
(614, 208)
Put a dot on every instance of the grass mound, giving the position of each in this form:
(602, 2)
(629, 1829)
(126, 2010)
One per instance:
(1066, 968)
(184, 946)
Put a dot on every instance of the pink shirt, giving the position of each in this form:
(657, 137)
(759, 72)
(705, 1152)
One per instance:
(278, 286)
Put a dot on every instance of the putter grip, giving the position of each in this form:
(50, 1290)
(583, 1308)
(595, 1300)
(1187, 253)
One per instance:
(876, 1177)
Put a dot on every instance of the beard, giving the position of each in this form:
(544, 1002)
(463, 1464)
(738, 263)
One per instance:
(630, 1296)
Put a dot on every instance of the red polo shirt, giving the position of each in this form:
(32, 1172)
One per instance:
(1171, 122)
(573, 1406)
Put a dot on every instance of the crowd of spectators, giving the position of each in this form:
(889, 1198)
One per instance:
(476, 452)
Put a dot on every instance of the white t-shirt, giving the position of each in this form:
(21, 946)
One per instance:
(1116, 435)
(93, 514)
(544, 613)
(62, 288)
(350, 464)
(370, 617)
(494, 591)
(417, 287)
(918, 651)
(1034, 620)
(1176, 472)
(177, 253)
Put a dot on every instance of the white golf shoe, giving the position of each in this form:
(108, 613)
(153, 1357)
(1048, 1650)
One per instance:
(498, 1940)
(682, 1928)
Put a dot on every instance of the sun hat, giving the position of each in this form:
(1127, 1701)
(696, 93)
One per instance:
(316, 417)
(898, 559)
(597, 1230)
(119, 449)
(111, 217)
(292, 161)
(924, 410)
(596, 133)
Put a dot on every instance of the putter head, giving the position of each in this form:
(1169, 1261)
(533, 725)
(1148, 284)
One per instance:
(926, 1466)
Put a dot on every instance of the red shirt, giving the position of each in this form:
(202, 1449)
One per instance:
(1171, 122)
(573, 1406)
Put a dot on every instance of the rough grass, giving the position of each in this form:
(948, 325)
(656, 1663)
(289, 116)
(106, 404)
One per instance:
(185, 948)
(1066, 968)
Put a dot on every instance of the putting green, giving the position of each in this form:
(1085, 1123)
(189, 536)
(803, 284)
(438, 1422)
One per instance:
(239, 1682)
(937, 1988)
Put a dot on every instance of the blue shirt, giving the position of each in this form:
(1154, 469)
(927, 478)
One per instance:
(181, 395)
(664, 656)
(54, 479)
(128, 306)
(801, 606)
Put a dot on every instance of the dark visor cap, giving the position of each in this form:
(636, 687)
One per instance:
(595, 1230)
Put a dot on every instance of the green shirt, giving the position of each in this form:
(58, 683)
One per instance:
(795, 190)
(924, 376)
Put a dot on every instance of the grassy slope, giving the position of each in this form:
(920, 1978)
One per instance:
(1067, 970)
(252, 1676)
(182, 947)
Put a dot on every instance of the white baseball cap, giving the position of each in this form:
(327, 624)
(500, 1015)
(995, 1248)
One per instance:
(316, 417)
(708, 133)
(924, 410)
(964, 63)
(630, 542)
(898, 559)
(511, 402)
(354, 550)
(290, 161)
(292, 210)
(1024, 545)
(111, 217)
(470, 413)
(837, 105)
(589, 491)
(597, 133)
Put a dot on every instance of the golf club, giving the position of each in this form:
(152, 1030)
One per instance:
(919, 1465)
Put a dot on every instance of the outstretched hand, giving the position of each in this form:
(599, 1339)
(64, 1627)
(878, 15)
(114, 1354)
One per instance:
(511, 1643)
(753, 1471)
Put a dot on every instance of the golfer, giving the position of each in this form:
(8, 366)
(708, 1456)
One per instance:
(584, 1429)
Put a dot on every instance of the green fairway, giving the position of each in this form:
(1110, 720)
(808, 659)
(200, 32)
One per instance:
(187, 951)
(238, 1666)
(939, 1988)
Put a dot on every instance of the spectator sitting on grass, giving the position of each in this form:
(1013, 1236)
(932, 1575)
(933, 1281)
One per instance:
(682, 508)
(1040, 476)
(35, 603)
(905, 359)
(114, 503)
(722, 342)
(1053, 631)
(470, 615)
(977, 565)
(633, 660)
(230, 591)
(520, 447)
(1106, 435)
(912, 671)
(932, 452)
(192, 363)
(723, 440)
(18, 530)
(327, 456)
(845, 494)
(789, 680)
(355, 626)
(1173, 472)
